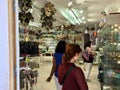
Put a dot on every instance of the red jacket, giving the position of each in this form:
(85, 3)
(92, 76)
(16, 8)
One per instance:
(75, 80)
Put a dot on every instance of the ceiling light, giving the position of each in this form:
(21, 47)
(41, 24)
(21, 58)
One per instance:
(74, 15)
(70, 15)
(118, 10)
(70, 3)
(81, 11)
(84, 22)
(65, 13)
(119, 27)
(76, 12)
(79, 1)
(83, 18)
(115, 25)
(89, 20)
(115, 29)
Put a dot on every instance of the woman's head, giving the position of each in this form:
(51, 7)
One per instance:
(60, 48)
(72, 52)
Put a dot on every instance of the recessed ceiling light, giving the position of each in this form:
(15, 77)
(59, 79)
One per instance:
(115, 29)
(115, 25)
(83, 18)
(81, 11)
(89, 20)
(79, 1)
(84, 22)
(70, 3)
(118, 10)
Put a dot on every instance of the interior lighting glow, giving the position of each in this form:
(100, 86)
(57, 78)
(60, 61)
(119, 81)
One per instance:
(70, 3)
(84, 22)
(65, 14)
(118, 44)
(69, 15)
(115, 25)
(115, 29)
(80, 20)
(74, 16)
(81, 11)
(90, 20)
(115, 43)
(118, 10)
(118, 62)
(76, 12)
(83, 18)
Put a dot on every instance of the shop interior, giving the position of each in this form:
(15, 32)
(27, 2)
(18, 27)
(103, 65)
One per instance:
(42, 23)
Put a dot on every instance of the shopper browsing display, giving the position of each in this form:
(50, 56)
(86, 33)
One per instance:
(69, 75)
(88, 62)
(57, 58)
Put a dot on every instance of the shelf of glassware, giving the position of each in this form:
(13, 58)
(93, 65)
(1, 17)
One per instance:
(109, 71)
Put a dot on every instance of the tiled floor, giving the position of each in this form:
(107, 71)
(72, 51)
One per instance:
(44, 72)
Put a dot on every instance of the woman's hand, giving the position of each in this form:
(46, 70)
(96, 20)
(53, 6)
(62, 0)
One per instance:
(49, 79)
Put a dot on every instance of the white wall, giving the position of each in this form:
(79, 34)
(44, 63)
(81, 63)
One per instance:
(4, 46)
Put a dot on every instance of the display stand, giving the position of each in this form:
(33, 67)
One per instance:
(109, 66)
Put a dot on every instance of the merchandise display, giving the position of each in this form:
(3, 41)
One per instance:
(43, 23)
(109, 66)
(30, 48)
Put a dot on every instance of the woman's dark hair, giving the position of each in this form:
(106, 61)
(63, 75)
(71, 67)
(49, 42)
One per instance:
(60, 48)
(71, 50)
(88, 44)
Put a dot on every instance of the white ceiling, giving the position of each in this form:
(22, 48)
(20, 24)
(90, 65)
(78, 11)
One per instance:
(91, 10)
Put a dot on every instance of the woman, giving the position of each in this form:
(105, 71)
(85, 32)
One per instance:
(57, 58)
(88, 63)
(75, 80)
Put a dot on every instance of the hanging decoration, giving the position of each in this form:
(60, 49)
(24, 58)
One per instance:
(25, 16)
(25, 5)
(47, 15)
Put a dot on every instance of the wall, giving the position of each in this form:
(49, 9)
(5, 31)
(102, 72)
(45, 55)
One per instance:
(4, 46)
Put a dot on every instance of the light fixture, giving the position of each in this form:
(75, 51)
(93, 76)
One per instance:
(84, 22)
(65, 13)
(70, 3)
(73, 15)
(79, 1)
(118, 10)
(115, 25)
(83, 18)
(71, 12)
(81, 11)
(89, 20)
(69, 15)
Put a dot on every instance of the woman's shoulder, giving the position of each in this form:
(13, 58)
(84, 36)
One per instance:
(77, 69)
(77, 72)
